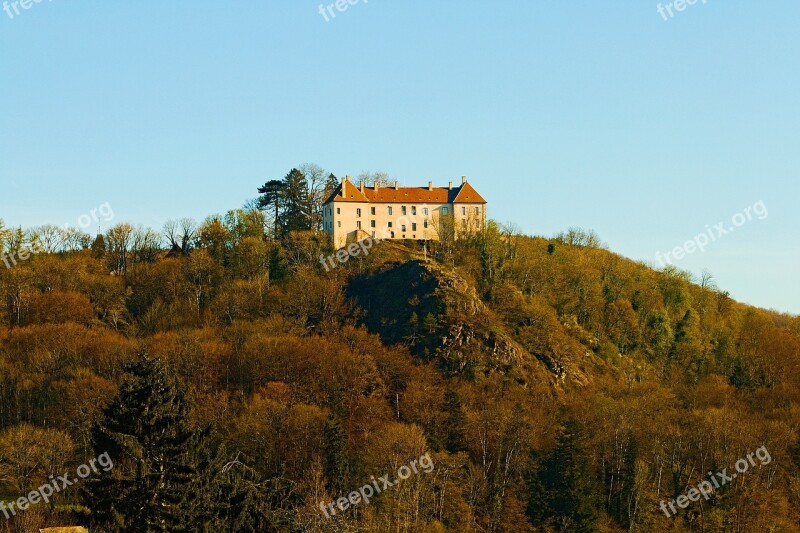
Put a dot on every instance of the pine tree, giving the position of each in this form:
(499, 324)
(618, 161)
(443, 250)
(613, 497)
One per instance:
(412, 328)
(330, 185)
(564, 490)
(271, 198)
(297, 208)
(431, 323)
(163, 470)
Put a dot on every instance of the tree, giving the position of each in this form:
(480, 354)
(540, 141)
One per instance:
(564, 489)
(454, 423)
(579, 237)
(119, 239)
(317, 187)
(164, 470)
(337, 457)
(297, 205)
(271, 199)
(172, 233)
(49, 237)
(99, 247)
(379, 177)
(5, 232)
(330, 185)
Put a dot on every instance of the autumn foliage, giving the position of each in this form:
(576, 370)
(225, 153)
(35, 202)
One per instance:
(558, 386)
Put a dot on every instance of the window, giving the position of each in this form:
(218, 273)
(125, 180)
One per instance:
(403, 210)
(358, 212)
(372, 223)
(413, 226)
(425, 225)
(340, 223)
(413, 210)
(390, 210)
(338, 210)
(372, 210)
(390, 224)
(403, 228)
(477, 210)
(425, 211)
(444, 210)
(373, 234)
(463, 211)
(392, 235)
(358, 224)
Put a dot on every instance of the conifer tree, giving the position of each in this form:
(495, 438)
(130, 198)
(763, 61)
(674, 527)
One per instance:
(564, 490)
(337, 459)
(99, 247)
(271, 199)
(330, 185)
(454, 424)
(297, 208)
(163, 469)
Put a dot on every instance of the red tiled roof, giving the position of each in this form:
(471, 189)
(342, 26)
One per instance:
(468, 195)
(352, 194)
(416, 195)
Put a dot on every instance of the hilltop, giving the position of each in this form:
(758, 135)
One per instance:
(554, 383)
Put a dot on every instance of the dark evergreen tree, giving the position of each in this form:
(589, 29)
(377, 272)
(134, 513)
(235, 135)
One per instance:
(271, 199)
(741, 377)
(278, 266)
(454, 423)
(564, 490)
(296, 203)
(99, 247)
(337, 458)
(246, 503)
(330, 185)
(163, 469)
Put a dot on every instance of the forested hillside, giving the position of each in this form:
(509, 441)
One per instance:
(239, 385)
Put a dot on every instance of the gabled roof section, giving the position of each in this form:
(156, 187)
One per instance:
(351, 194)
(468, 195)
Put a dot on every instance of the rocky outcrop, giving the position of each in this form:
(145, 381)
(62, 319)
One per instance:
(440, 317)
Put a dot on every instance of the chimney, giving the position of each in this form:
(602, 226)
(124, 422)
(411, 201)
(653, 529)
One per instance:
(463, 180)
(396, 185)
(430, 185)
(450, 186)
(376, 185)
(346, 178)
(361, 186)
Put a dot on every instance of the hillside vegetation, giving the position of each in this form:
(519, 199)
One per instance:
(238, 385)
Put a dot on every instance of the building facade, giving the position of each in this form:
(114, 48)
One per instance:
(356, 212)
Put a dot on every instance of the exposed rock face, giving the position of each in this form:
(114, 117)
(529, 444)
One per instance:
(440, 316)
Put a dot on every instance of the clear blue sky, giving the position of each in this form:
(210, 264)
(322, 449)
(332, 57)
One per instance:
(567, 113)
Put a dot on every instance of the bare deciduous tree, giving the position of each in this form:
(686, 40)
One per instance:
(316, 177)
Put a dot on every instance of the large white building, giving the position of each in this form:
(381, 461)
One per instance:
(356, 212)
